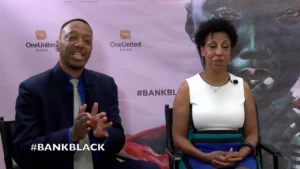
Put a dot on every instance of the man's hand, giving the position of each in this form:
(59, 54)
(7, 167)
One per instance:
(81, 125)
(231, 158)
(99, 122)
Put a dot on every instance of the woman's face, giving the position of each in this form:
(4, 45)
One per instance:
(217, 51)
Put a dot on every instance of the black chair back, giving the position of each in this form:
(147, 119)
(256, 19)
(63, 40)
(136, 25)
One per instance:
(259, 138)
(6, 130)
(169, 122)
(259, 150)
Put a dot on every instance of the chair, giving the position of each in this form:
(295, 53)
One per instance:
(174, 156)
(6, 130)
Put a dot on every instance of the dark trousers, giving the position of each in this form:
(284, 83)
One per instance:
(115, 164)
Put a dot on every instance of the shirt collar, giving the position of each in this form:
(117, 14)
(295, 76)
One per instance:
(80, 78)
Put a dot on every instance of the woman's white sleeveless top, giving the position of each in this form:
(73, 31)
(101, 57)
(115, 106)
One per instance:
(217, 108)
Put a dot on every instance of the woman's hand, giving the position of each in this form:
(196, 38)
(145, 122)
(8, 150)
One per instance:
(221, 159)
(219, 156)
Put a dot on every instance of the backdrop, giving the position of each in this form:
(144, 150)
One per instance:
(147, 46)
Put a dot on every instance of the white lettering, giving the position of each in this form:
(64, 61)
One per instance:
(67, 147)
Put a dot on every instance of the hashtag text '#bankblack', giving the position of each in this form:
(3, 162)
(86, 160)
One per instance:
(156, 92)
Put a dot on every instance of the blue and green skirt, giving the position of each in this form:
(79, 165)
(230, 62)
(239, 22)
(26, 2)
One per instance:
(221, 140)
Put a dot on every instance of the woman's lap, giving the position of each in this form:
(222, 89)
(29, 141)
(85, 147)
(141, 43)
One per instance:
(193, 163)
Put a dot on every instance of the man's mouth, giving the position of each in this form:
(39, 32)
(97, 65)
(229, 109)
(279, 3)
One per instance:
(257, 76)
(78, 56)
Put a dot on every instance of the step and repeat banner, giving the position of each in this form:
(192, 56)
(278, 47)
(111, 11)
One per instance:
(147, 46)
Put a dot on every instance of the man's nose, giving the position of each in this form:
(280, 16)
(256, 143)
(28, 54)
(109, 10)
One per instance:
(79, 43)
(254, 47)
(250, 48)
(256, 37)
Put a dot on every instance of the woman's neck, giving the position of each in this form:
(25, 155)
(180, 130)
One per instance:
(215, 78)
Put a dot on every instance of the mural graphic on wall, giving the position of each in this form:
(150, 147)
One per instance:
(267, 57)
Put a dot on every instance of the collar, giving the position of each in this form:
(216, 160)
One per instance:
(63, 78)
(80, 78)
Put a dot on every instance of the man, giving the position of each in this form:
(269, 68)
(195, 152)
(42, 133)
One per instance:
(69, 104)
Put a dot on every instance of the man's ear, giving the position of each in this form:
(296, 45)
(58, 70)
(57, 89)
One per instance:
(189, 24)
(57, 45)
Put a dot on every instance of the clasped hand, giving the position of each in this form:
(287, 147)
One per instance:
(84, 122)
(221, 158)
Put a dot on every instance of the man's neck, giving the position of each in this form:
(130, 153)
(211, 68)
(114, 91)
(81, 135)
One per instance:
(71, 72)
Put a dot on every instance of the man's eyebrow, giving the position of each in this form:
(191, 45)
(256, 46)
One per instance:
(239, 5)
(71, 32)
(211, 4)
(75, 32)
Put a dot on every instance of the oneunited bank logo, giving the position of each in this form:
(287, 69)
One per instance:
(40, 45)
(41, 35)
(125, 34)
(126, 43)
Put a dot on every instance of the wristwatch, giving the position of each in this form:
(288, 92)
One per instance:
(250, 146)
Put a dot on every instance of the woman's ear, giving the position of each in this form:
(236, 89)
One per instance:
(201, 50)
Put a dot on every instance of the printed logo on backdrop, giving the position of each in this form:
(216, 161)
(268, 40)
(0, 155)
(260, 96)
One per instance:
(165, 0)
(40, 45)
(41, 35)
(156, 92)
(80, 1)
(125, 44)
(125, 34)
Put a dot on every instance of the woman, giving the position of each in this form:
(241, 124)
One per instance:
(222, 104)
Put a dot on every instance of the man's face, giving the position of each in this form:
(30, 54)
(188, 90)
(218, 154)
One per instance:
(75, 45)
(269, 36)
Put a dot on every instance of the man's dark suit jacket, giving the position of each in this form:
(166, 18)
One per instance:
(44, 114)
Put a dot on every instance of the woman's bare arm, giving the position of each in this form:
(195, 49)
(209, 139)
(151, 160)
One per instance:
(250, 125)
(181, 109)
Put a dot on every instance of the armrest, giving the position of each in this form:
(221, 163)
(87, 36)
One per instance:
(15, 166)
(174, 156)
(270, 149)
(273, 151)
(124, 156)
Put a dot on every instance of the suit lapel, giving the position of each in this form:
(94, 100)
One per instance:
(93, 90)
(64, 97)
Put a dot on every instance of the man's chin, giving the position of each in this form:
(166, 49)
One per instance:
(76, 66)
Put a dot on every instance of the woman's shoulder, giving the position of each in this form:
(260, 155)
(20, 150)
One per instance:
(241, 82)
(236, 77)
(186, 84)
(193, 77)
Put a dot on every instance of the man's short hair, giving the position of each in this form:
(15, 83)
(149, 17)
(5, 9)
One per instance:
(73, 20)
